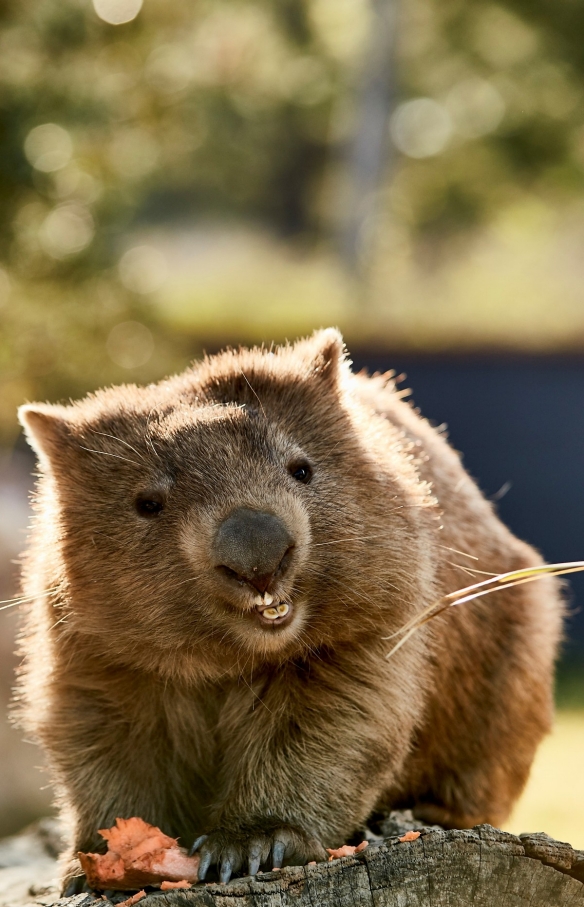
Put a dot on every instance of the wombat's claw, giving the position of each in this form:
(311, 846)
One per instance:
(77, 885)
(227, 866)
(278, 852)
(206, 859)
(200, 840)
(255, 858)
(232, 850)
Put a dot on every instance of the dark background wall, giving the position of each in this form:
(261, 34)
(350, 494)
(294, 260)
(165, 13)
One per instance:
(520, 421)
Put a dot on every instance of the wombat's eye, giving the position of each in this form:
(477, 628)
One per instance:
(302, 472)
(148, 505)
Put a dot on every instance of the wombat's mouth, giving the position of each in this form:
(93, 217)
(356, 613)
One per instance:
(271, 613)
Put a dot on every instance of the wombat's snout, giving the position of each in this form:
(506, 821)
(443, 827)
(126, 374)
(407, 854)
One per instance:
(252, 546)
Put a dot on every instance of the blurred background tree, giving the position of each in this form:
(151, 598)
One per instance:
(176, 175)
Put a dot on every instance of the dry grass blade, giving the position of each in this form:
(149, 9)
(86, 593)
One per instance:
(477, 590)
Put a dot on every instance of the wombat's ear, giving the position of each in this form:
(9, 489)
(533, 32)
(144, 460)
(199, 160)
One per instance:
(47, 430)
(325, 352)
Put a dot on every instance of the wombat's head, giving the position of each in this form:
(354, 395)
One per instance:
(248, 507)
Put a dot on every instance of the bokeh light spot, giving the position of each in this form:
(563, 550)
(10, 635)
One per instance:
(169, 69)
(421, 128)
(133, 153)
(143, 269)
(476, 107)
(67, 230)
(130, 344)
(48, 147)
(117, 12)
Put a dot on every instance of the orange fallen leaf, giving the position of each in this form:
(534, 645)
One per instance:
(138, 854)
(168, 886)
(410, 836)
(347, 850)
(134, 899)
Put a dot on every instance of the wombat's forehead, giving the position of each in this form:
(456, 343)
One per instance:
(200, 416)
(155, 410)
(185, 420)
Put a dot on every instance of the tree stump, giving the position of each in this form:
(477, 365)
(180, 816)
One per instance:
(481, 867)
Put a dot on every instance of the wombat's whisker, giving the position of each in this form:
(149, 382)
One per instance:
(62, 620)
(20, 601)
(115, 438)
(13, 602)
(244, 376)
(360, 599)
(472, 571)
(481, 572)
(384, 585)
(356, 538)
(303, 639)
(189, 579)
(106, 453)
(456, 551)
(147, 438)
(149, 442)
(253, 692)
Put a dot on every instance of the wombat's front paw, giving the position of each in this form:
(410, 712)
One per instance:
(73, 879)
(78, 885)
(248, 847)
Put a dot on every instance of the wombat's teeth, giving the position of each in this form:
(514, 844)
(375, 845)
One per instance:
(264, 600)
(279, 611)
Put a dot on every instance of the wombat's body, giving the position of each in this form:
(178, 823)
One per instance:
(216, 564)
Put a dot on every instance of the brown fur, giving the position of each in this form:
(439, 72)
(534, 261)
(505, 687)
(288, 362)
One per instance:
(155, 694)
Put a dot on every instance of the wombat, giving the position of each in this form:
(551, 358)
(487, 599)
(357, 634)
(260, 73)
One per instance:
(215, 566)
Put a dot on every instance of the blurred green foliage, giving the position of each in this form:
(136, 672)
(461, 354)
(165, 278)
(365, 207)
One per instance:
(531, 54)
(240, 111)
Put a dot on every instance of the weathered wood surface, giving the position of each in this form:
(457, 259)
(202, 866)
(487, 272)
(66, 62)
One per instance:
(482, 867)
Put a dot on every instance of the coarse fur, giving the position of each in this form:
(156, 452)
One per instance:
(157, 691)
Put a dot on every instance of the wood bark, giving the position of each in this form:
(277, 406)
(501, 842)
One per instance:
(481, 867)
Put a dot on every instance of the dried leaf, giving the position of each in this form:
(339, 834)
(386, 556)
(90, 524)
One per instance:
(347, 850)
(138, 854)
(410, 836)
(129, 902)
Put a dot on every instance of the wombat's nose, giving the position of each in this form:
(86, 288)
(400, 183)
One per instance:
(253, 546)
